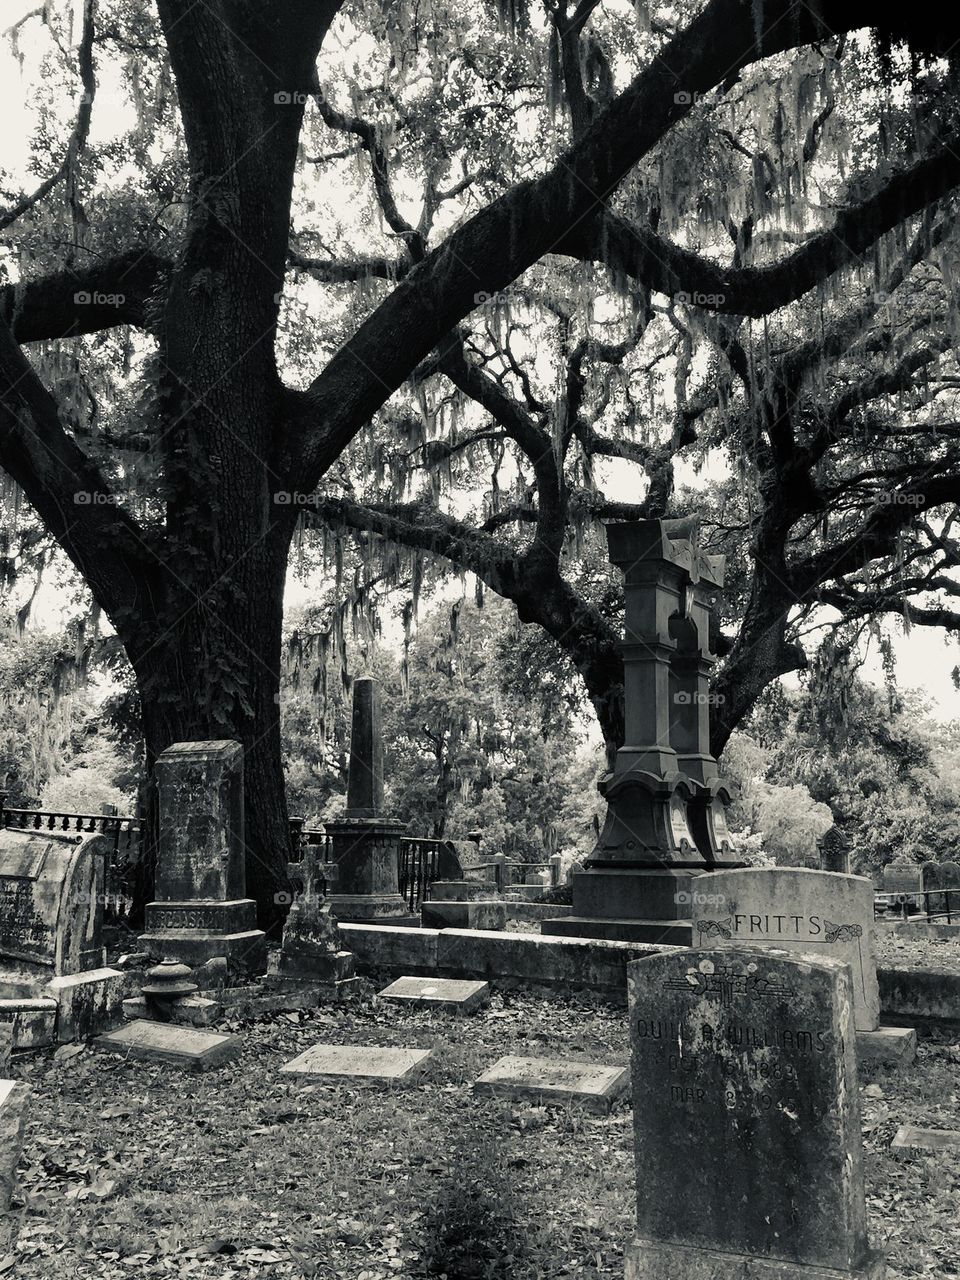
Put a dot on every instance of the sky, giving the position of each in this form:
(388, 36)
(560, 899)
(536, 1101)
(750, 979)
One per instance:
(924, 660)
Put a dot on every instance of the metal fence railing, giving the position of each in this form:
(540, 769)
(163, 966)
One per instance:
(931, 904)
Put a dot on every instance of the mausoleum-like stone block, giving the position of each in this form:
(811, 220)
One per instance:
(491, 914)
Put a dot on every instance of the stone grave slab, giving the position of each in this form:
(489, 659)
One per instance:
(911, 1138)
(746, 1115)
(166, 1042)
(13, 1114)
(458, 995)
(795, 909)
(359, 1062)
(542, 1080)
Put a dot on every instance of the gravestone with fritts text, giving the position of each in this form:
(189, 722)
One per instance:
(746, 1119)
(799, 909)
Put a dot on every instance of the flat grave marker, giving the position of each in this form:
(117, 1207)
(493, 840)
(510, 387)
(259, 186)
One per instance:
(910, 1137)
(542, 1080)
(359, 1062)
(458, 995)
(171, 1043)
(746, 1119)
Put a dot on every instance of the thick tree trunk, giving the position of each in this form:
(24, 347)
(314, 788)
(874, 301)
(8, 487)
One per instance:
(211, 670)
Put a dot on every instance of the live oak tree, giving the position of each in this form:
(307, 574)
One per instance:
(150, 270)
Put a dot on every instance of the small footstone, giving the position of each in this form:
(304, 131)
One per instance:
(356, 1062)
(912, 1138)
(553, 1080)
(165, 1042)
(444, 993)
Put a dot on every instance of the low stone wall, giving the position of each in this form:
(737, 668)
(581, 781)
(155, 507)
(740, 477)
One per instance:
(524, 960)
(920, 930)
(552, 963)
(919, 995)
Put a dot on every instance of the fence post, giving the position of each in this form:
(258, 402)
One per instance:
(555, 861)
(3, 801)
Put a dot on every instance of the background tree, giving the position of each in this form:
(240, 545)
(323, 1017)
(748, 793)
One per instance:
(165, 463)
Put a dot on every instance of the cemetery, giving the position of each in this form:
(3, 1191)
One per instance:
(479, 695)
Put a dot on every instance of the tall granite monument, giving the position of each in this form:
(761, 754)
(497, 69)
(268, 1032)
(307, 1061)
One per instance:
(201, 910)
(365, 844)
(666, 803)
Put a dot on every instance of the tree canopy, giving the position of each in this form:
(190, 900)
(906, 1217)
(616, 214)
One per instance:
(327, 246)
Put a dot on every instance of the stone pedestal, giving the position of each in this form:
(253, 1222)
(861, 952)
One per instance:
(367, 854)
(201, 910)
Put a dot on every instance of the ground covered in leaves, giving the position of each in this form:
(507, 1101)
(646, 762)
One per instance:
(937, 954)
(131, 1169)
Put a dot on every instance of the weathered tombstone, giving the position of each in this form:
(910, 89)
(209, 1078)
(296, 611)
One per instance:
(365, 844)
(799, 909)
(53, 979)
(834, 848)
(746, 1119)
(13, 1114)
(902, 879)
(463, 904)
(51, 901)
(665, 824)
(200, 909)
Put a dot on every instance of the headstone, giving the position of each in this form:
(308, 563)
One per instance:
(200, 908)
(911, 1138)
(902, 878)
(359, 1062)
(746, 1119)
(457, 995)
(169, 1043)
(797, 909)
(365, 843)
(544, 1080)
(13, 1114)
(51, 901)
(665, 824)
